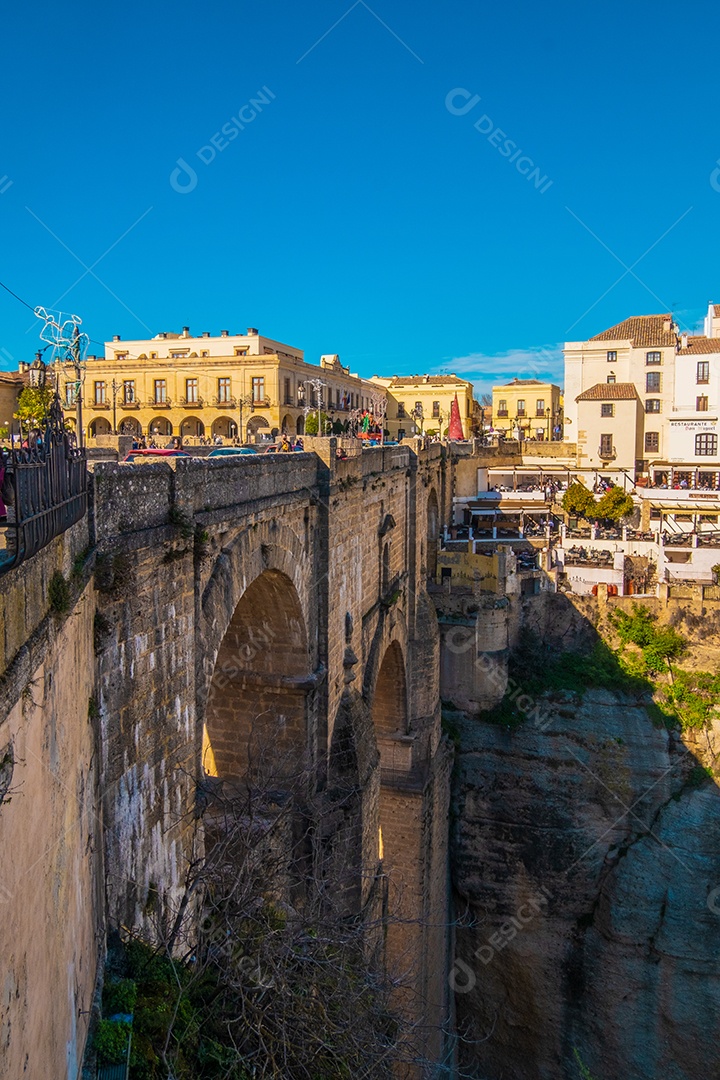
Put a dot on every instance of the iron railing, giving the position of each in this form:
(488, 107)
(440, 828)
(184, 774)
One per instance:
(44, 485)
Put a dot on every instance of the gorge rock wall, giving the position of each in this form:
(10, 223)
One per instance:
(585, 855)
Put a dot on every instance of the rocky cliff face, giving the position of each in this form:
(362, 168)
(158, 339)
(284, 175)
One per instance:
(586, 867)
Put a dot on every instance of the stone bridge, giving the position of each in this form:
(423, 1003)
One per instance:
(214, 620)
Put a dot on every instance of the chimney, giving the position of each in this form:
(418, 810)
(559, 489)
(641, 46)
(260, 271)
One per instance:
(116, 337)
(186, 331)
(164, 334)
(206, 333)
(252, 331)
(683, 341)
(223, 333)
(667, 325)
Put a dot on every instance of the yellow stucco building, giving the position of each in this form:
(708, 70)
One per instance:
(532, 406)
(179, 384)
(420, 404)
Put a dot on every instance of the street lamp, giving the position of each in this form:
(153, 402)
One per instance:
(37, 373)
(417, 415)
(548, 414)
(246, 401)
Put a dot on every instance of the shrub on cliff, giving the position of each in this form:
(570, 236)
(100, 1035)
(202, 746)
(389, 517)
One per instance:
(658, 645)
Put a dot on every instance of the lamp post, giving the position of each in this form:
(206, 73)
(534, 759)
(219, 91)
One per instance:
(417, 415)
(548, 414)
(246, 401)
(116, 386)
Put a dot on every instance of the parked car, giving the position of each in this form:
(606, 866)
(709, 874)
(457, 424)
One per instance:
(138, 455)
(231, 451)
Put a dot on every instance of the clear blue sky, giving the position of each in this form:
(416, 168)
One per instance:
(356, 213)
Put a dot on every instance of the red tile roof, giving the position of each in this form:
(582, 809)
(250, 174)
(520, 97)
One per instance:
(620, 391)
(642, 331)
(700, 344)
(426, 380)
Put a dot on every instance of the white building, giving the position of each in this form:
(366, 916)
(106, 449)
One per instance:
(676, 378)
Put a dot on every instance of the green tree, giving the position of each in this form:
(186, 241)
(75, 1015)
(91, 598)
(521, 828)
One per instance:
(311, 424)
(34, 406)
(578, 501)
(614, 505)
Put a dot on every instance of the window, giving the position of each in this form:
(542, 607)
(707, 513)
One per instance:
(205, 353)
(652, 442)
(223, 389)
(607, 409)
(652, 405)
(178, 355)
(258, 388)
(191, 391)
(706, 445)
(288, 394)
(418, 407)
(71, 390)
(160, 391)
(652, 382)
(540, 407)
(611, 378)
(701, 404)
(703, 371)
(129, 392)
(241, 352)
(401, 410)
(611, 357)
(606, 446)
(99, 393)
(521, 407)
(436, 409)
(502, 408)
(153, 356)
(653, 358)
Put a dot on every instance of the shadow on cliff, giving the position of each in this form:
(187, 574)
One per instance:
(586, 819)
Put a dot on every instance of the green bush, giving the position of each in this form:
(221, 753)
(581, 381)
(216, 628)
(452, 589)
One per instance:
(119, 996)
(59, 594)
(614, 505)
(577, 500)
(111, 1041)
(658, 644)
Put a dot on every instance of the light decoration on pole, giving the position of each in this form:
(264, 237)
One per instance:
(317, 385)
(69, 346)
(378, 405)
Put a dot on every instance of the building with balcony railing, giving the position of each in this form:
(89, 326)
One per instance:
(232, 385)
(528, 409)
(676, 378)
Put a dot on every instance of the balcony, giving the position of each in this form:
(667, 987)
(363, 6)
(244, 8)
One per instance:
(502, 412)
(607, 453)
(99, 404)
(132, 404)
(224, 403)
(261, 403)
(192, 403)
(165, 403)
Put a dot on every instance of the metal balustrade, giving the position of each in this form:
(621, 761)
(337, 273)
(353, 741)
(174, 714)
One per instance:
(45, 488)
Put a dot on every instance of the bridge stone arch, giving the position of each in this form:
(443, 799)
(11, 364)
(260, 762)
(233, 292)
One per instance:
(256, 719)
(267, 546)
